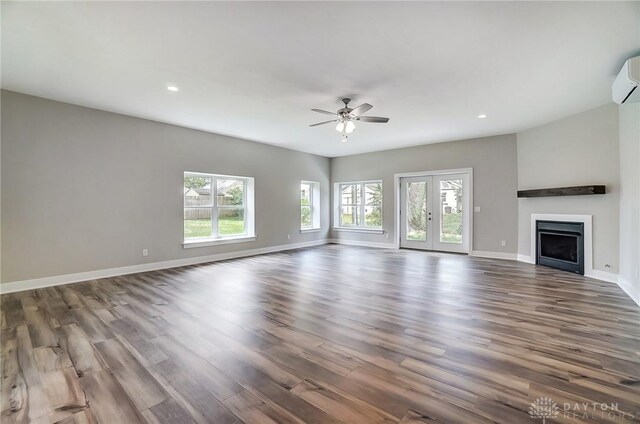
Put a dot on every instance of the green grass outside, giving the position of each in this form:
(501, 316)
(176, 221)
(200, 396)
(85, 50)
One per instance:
(451, 230)
(371, 219)
(227, 226)
(347, 219)
(416, 235)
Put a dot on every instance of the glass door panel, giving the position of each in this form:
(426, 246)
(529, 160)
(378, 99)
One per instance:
(450, 215)
(416, 213)
(451, 211)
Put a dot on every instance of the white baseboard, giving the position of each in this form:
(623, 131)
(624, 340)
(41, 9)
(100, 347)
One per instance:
(494, 255)
(593, 273)
(602, 275)
(626, 287)
(362, 243)
(525, 258)
(58, 280)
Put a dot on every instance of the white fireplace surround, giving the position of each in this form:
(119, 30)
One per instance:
(588, 240)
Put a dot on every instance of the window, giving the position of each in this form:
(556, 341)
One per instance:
(217, 208)
(309, 205)
(359, 205)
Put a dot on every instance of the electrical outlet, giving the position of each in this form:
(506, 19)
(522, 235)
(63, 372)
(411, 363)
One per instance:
(386, 235)
(145, 252)
(476, 209)
(288, 236)
(504, 243)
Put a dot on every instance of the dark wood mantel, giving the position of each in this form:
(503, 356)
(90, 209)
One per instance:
(563, 191)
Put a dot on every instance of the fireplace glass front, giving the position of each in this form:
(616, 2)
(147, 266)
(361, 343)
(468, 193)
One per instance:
(561, 245)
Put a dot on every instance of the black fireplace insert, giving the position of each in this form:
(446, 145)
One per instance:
(560, 245)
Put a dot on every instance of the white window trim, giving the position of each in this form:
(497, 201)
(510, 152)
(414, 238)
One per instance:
(249, 212)
(204, 242)
(337, 208)
(360, 230)
(314, 203)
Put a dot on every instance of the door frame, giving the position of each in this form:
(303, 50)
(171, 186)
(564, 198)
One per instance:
(397, 206)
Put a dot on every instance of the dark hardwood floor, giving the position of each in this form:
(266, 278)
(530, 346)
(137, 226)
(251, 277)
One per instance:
(332, 334)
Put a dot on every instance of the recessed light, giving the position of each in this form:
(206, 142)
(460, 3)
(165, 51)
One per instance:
(482, 116)
(172, 88)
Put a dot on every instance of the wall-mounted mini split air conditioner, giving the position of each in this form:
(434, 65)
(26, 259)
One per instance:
(627, 81)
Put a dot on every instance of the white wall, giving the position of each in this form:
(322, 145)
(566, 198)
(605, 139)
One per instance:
(85, 190)
(493, 160)
(579, 150)
(629, 276)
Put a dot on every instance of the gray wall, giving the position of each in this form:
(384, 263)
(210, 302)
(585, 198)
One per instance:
(629, 275)
(579, 150)
(493, 160)
(85, 190)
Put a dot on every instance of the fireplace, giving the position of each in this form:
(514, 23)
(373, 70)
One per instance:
(560, 245)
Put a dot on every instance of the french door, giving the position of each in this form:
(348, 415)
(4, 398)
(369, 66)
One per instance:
(434, 212)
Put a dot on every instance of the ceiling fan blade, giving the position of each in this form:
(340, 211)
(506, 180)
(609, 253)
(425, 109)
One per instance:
(322, 123)
(324, 111)
(361, 109)
(375, 119)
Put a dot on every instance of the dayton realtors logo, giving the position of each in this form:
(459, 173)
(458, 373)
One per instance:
(544, 408)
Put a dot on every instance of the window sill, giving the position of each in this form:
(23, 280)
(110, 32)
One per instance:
(216, 242)
(310, 230)
(359, 230)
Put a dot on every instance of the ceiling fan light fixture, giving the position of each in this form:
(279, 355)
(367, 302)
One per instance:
(349, 127)
(346, 118)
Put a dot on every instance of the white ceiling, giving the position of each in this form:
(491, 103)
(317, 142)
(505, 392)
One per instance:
(253, 70)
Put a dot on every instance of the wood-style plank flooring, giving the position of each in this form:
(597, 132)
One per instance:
(332, 334)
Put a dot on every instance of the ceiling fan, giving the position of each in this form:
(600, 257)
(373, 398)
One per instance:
(346, 118)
